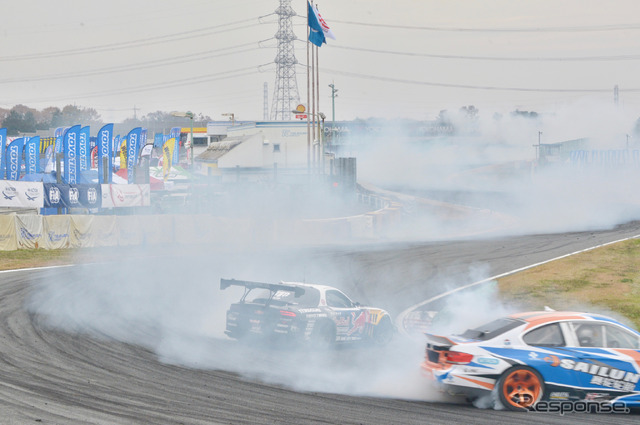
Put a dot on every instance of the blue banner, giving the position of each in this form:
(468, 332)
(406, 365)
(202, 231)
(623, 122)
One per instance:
(32, 155)
(114, 149)
(71, 167)
(105, 151)
(49, 161)
(158, 140)
(84, 149)
(133, 147)
(72, 195)
(58, 135)
(143, 137)
(3, 152)
(14, 159)
(175, 134)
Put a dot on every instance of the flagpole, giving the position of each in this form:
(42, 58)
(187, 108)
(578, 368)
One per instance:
(314, 56)
(316, 115)
(308, 90)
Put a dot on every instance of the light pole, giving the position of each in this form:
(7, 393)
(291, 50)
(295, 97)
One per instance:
(232, 117)
(334, 90)
(189, 115)
(321, 135)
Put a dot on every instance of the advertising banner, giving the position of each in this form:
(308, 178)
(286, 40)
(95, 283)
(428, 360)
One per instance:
(56, 231)
(130, 231)
(84, 149)
(133, 147)
(29, 231)
(126, 195)
(71, 159)
(21, 194)
(123, 153)
(159, 229)
(3, 153)
(175, 135)
(158, 140)
(105, 230)
(105, 151)
(143, 137)
(14, 159)
(32, 155)
(8, 240)
(72, 195)
(167, 154)
(49, 160)
(58, 136)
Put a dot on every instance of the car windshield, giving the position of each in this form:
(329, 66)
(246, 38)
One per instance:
(310, 297)
(491, 329)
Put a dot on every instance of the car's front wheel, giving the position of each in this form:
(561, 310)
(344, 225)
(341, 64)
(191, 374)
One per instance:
(520, 388)
(383, 332)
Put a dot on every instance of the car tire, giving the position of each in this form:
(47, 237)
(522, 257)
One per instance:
(520, 388)
(383, 332)
(323, 335)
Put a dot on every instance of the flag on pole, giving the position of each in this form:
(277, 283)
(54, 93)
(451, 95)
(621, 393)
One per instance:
(133, 147)
(325, 27)
(3, 156)
(318, 28)
(83, 148)
(316, 34)
(32, 155)
(105, 145)
(14, 158)
(70, 142)
(167, 154)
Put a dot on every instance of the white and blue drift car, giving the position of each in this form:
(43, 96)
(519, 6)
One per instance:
(529, 359)
(305, 313)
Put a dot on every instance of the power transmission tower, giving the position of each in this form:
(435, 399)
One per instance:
(265, 104)
(285, 92)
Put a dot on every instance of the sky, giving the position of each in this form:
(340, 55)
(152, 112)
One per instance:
(400, 59)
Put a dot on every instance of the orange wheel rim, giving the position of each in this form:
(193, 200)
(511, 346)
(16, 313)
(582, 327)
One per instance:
(522, 388)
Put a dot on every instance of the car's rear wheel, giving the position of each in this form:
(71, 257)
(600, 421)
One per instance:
(323, 335)
(383, 332)
(520, 388)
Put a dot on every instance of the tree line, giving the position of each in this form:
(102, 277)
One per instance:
(22, 119)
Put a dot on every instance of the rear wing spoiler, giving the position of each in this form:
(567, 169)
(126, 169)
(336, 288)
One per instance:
(439, 342)
(273, 287)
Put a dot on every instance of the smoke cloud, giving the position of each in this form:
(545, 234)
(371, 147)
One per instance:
(168, 298)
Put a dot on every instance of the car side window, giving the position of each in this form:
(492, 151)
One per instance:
(545, 336)
(338, 300)
(617, 337)
(589, 334)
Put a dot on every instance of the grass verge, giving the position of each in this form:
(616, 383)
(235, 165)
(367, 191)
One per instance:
(603, 279)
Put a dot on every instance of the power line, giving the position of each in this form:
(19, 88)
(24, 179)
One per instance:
(135, 67)
(495, 58)
(164, 85)
(202, 32)
(468, 86)
(591, 28)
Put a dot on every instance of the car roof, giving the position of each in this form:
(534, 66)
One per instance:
(535, 318)
(309, 285)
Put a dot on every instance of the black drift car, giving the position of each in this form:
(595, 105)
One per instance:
(301, 312)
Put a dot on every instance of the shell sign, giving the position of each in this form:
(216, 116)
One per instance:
(300, 112)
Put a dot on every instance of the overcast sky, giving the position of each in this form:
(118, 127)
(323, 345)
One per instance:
(401, 58)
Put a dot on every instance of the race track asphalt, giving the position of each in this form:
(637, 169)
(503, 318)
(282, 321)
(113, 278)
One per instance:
(140, 341)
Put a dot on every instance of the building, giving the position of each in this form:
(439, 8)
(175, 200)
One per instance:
(247, 150)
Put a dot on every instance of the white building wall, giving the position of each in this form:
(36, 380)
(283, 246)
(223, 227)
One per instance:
(259, 150)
